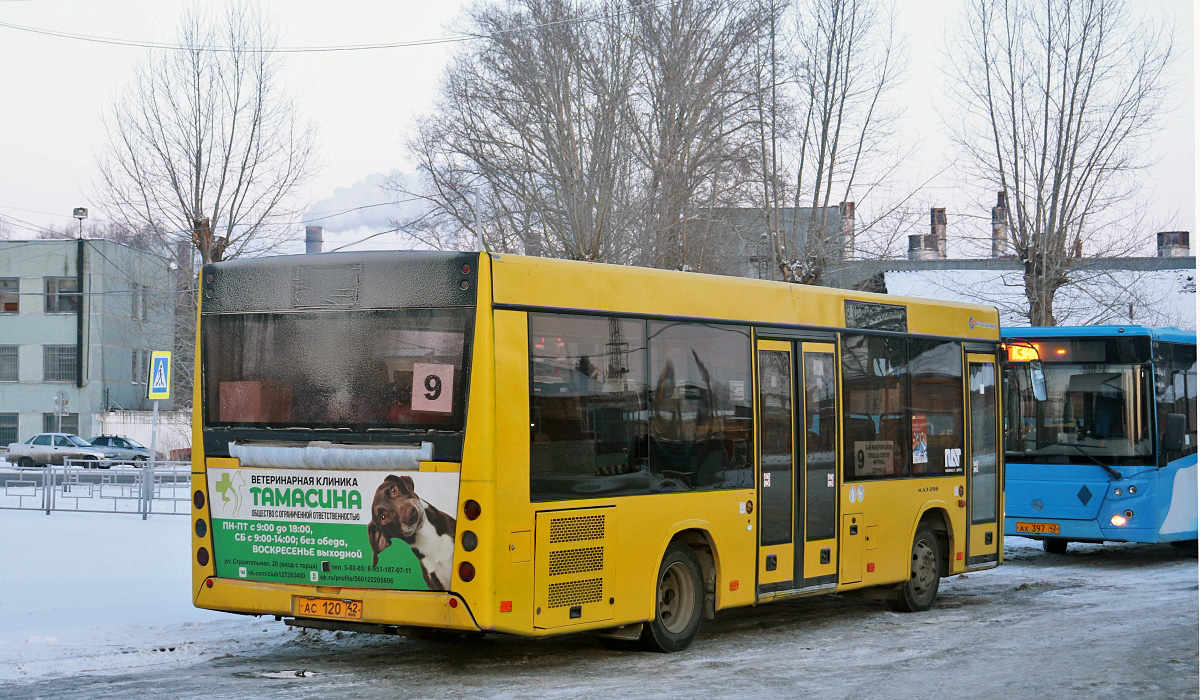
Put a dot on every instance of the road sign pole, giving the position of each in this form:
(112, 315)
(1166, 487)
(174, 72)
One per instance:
(148, 472)
(158, 388)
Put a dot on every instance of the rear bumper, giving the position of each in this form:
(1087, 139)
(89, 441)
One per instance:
(405, 608)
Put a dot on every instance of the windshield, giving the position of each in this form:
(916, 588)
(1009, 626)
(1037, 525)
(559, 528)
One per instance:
(1092, 411)
(394, 370)
(134, 444)
(78, 441)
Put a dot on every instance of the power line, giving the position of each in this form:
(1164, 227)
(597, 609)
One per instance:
(363, 240)
(114, 41)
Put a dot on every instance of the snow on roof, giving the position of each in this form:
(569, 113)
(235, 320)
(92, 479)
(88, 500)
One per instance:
(1153, 298)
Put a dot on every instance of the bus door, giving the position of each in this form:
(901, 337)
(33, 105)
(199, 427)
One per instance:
(776, 466)
(816, 563)
(797, 460)
(983, 472)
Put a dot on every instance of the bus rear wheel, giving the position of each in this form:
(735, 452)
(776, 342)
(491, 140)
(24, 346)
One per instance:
(1054, 546)
(918, 592)
(679, 602)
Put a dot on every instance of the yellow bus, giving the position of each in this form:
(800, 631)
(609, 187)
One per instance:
(473, 442)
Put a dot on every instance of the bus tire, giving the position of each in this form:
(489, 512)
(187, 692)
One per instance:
(678, 602)
(918, 592)
(1054, 546)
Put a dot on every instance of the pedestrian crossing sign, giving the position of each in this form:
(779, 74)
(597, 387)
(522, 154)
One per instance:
(160, 375)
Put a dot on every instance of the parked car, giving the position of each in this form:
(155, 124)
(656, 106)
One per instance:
(124, 449)
(54, 448)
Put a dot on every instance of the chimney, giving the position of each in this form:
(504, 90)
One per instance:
(1174, 244)
(937, 230)
(314, 239)
(847, 230)
(999, 226)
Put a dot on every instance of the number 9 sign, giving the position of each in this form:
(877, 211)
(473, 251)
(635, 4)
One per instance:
(433, 388)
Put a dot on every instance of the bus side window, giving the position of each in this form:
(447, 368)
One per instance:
(586, 407)
(876, 407)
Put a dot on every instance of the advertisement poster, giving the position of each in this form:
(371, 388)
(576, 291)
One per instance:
(318, 527)
(920, 439)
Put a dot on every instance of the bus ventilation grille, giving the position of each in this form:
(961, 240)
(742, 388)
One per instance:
(575, 592)
(576, 561)
(587, 527)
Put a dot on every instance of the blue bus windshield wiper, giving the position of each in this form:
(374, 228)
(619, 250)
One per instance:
(1111, 472)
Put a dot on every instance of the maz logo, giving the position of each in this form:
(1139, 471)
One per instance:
(1037, 504)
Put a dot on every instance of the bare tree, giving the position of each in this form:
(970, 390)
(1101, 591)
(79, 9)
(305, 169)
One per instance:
(527, 139)
(824, 72)
(691, 117)
(206, 146)
(1060, 98)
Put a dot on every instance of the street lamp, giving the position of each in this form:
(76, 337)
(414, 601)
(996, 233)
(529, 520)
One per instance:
(81, 214)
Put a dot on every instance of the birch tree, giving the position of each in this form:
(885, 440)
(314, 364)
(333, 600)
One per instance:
(1060, 100)
(691, 118)
(206, 145)
(825, 71)
(527, 139)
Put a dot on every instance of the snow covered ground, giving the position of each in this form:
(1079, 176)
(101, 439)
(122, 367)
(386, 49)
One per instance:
(96, 605)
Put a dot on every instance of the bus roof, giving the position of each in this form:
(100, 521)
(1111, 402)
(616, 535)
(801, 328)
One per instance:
(549, 284)
(1173, 335)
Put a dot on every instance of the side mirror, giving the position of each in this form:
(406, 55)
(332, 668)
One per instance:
(1174, 433)
(1037, 379)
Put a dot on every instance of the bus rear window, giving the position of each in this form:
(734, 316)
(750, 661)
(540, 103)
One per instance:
(392, 370)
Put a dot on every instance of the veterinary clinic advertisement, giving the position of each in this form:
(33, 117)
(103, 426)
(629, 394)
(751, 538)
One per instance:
(358, 529)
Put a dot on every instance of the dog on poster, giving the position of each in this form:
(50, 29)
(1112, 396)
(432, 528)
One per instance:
(399, 513)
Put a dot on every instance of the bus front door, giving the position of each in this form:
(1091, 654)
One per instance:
(983, 472)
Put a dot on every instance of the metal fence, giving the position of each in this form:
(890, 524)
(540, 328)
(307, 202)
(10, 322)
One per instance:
(161, 489)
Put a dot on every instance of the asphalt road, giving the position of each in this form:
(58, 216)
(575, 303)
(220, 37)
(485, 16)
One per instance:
(1116, 621)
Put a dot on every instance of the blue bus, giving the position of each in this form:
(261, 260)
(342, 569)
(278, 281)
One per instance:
(1110, 453)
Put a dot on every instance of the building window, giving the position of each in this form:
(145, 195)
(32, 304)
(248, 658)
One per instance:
(8, 428)
(138, 362)
(8, 364)
(9, 295)
(70, 423)
(62, 295)
(58, 363)
(133, 299)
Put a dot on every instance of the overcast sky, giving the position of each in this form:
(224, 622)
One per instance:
(53, 92)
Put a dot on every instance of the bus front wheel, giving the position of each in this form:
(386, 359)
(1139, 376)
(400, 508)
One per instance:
(918, 592)
(1054, 546)
(679, 602)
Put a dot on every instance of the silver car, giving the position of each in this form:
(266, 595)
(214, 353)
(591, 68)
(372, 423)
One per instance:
(123, 449)
(54, 448)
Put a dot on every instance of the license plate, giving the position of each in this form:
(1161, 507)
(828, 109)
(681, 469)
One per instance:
(329, 607)
(1037, 528)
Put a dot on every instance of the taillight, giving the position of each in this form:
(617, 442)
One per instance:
(202, 556)
(198, 499)
(201, 528)
(471, 509)
(470, 541)
(466, 571)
